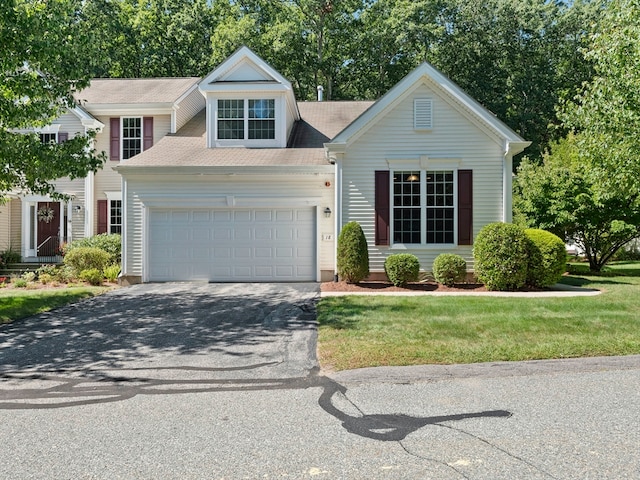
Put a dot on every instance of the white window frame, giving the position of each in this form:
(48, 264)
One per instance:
(114, 197)
(122, 137)
(423, 165)
(54, 134)
(263, 142)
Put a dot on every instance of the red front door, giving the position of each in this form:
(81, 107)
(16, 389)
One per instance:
(48, 214)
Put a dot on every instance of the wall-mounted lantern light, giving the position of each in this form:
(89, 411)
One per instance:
(327, 212)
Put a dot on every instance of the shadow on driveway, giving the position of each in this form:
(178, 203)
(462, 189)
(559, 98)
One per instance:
(213, 324)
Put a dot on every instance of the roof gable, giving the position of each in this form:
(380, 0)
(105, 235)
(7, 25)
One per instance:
(450, 92)
(244, 66)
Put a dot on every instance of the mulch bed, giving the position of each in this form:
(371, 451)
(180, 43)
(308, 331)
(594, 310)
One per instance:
(388, 287)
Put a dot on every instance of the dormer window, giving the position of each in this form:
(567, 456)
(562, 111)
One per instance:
(253, 119)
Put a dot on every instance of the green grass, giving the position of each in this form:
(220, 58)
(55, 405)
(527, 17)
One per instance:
(358, 331)
(16, 304)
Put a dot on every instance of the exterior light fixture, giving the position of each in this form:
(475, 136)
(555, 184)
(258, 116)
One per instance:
(327, 212)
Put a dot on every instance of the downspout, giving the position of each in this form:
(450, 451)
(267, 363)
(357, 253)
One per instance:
(338, 215)
(507, 185)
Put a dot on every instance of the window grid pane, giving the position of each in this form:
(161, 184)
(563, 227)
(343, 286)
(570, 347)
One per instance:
(115, 216)
(131, 137)
(440, 207)
(406, 212)
(262, 125)
(47, 138)
(231, 119)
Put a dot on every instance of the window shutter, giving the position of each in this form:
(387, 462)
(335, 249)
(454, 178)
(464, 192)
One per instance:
(114, 148)
(63, 137)
(147, 128)
(465, 207)
(422, 114)
(103, 213)
(382, 200)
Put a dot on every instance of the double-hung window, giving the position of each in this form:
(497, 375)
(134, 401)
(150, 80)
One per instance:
(423, 207)
(250, 119)
(131, 136)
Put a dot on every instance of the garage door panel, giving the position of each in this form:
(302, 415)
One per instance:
(232, 244)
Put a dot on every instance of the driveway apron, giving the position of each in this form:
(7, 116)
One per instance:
(172, 330)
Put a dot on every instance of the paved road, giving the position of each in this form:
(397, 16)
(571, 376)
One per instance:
(220, 381)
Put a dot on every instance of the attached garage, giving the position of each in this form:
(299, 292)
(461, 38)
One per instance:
(231, 244)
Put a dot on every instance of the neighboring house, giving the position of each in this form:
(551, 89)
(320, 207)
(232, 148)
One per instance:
(130, 116)
(257, 185)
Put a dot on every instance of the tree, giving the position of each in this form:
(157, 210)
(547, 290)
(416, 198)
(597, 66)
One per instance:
(42, 45)
(517, 58)
(607, 110)
(561, 195)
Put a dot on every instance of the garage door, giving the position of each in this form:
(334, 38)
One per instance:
(229, 245)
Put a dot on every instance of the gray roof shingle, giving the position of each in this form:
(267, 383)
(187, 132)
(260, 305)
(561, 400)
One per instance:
(106, 91)
(319, 123)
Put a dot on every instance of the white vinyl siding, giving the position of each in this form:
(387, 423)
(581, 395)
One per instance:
(393, 137)
(189, 107)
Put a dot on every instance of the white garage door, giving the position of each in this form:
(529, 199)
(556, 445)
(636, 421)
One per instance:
(223, 245)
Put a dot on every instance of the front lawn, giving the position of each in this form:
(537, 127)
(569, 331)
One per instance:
(359, 331)
(18, 303)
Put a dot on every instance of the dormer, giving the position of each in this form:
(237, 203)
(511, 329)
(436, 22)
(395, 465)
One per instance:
(249, 104)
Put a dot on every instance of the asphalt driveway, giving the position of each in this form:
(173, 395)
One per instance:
(246, 330)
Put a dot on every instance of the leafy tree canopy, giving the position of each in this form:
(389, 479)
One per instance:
(607, 110)
(39, 63)
(563, 196)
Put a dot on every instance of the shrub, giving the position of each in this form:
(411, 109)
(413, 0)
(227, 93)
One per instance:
(45, 278)
(28, 276)
(109, 242)
(402, 268)
(91, 275)
(64, 274)
(500, 254)
(449, 268)
(47, 269)
(353, 254)
(111, 272)
(20, 283)
(9, 256)
(85, 258)
(547, 258)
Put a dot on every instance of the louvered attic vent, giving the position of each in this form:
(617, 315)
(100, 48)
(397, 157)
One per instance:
(423, 114)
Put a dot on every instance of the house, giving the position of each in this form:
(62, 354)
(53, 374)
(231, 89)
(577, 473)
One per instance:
(230, 178)
(130, 115)
(256, 186)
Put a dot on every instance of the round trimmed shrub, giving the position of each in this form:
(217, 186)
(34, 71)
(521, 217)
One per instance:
(449, 268)
(402, 268)
(86, 258)
(500, 255)
(547, 258)
(353, 254)
(92, 275)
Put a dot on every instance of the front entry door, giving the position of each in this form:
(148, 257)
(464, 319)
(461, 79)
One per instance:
(48, 217)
